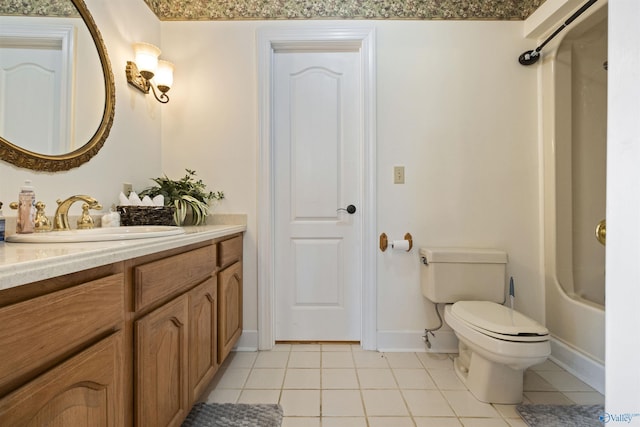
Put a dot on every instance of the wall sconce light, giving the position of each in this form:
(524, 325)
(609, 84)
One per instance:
(147, 67)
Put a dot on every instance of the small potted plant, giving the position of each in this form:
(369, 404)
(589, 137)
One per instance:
(189, 196)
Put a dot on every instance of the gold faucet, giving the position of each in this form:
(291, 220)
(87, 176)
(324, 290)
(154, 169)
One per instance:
(61, 217)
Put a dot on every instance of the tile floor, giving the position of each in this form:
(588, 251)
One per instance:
(341, 385)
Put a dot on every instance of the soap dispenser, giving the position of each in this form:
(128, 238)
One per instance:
(26, 209)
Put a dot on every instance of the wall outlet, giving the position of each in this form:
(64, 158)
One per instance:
(127, 188)
(398, 174)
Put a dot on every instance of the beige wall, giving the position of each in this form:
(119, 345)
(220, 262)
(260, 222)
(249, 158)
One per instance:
(454, 107)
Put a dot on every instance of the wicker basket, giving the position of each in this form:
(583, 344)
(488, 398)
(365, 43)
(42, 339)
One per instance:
(146, 215)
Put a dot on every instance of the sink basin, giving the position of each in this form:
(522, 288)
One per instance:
(98, 234)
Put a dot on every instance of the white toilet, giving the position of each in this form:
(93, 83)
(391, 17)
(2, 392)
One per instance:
(496, 344)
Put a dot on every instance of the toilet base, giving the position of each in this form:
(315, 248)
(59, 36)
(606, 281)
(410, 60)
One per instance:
(488, 381)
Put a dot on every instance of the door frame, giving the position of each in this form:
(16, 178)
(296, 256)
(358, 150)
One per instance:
(325, 38)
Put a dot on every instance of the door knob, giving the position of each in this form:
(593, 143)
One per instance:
(349, 209)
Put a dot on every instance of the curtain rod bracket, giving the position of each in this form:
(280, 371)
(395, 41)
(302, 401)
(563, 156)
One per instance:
(531, 56)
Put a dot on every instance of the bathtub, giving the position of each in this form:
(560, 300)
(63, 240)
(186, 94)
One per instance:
(573, 111)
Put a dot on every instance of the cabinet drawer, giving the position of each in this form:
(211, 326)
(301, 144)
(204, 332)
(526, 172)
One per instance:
(40, 331)
(85, 390)
(160, 279)
(229, 251)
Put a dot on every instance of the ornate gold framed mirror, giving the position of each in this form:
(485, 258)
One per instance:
(75, 146)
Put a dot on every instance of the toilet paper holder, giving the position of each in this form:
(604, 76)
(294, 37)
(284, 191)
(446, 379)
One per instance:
(384, 241)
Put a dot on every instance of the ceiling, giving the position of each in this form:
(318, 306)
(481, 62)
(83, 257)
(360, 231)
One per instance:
(228, 10)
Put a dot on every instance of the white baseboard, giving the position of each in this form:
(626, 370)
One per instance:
(394, 341)
(248, 341)
(579, 364)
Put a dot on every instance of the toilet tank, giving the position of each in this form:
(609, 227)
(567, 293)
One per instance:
(449, 275)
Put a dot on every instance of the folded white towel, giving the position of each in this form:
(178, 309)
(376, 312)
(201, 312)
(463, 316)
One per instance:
(158, 200)
(134, 199)
(146, 201)
(123, 199)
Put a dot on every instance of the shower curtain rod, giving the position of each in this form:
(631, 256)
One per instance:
(532, 56)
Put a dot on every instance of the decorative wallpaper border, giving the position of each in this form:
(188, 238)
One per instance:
(225, 10)
(60, 8)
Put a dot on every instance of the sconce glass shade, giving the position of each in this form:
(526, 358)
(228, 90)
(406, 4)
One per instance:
(164, 75)
(146, 59)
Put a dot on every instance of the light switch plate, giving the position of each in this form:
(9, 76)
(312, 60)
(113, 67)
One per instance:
(126, 188)
(398, 174)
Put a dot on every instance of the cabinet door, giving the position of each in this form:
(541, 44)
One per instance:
(162, 397)
(229, 309)
(44, 330)
(203, 336)
(86, 390)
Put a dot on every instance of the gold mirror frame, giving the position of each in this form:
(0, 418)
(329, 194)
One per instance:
(56, 163)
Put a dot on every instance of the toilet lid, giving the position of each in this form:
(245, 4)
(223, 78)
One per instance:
(497, 319)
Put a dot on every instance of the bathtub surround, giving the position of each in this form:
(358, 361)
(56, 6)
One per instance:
(581, 152)
(573, 126)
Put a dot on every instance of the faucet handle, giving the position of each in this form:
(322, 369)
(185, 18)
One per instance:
(41, 221)
(85, 221)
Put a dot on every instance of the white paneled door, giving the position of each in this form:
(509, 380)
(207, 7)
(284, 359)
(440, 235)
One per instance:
(317, 116)
(32, 92)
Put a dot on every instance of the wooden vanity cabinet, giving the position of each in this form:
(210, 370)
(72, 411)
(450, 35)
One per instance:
(134, 343)
(61, 351)
(175, 334)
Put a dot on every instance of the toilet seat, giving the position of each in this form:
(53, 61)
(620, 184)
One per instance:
(489, 363)
(498, 321)
(507, 349)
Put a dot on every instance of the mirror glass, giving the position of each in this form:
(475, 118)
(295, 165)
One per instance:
(56, 94)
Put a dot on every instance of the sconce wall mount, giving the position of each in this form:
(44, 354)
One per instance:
(147, 57)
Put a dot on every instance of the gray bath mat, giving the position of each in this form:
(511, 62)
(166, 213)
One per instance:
(561, 415)
(233, 415)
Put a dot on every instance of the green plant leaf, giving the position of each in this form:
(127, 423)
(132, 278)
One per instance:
(187, 191)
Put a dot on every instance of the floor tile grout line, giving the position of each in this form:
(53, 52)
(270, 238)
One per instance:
(364, 407)
(504, 414)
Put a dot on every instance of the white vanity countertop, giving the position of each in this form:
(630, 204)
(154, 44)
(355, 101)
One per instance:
(22, 263)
